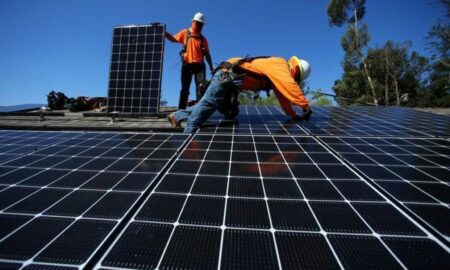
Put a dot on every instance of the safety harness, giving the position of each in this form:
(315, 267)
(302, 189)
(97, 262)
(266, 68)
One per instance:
(189, 35)
(232, 79)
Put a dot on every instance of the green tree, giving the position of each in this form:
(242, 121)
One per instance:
(253, 98)
(319, 99)
(345, 11)
(356, 38)
(438, 92)
(397, 73)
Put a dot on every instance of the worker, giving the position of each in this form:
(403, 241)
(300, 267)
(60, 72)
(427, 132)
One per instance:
(257, 73)
(195, 48)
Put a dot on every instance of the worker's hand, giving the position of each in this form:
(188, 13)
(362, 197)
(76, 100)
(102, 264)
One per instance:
(211, 70)
(297, 118)
(307, 114)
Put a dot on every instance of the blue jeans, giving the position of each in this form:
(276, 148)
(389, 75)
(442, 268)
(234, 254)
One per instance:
(211, 101)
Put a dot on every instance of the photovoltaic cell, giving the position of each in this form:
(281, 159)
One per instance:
(136, 69)
(145, 243)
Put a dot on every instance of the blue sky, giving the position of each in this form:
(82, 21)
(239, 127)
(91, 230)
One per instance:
(66, 45)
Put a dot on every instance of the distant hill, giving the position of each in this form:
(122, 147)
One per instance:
(21, 107)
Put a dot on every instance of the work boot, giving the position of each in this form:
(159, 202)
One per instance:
(307, 114)
(173, 121)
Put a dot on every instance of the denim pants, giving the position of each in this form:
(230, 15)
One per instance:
(211, 101)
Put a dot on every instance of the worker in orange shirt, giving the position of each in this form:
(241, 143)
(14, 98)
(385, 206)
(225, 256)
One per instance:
(195, 48)
(257, 73)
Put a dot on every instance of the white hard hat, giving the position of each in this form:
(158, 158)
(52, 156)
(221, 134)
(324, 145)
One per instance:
(303, 65)
(305, 69)
(199, 17)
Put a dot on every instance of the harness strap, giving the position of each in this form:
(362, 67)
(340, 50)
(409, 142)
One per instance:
(237, 73)
(189, 35)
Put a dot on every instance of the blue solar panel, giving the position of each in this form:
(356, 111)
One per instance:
(353, 188)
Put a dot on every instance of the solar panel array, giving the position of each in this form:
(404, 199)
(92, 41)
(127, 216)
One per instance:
(267, 202)
(136, 69)
(351, 121)
(60, 201)
(413, 171)
(345, 190)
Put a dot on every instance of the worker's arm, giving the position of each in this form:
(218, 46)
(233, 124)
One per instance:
(209, 60)
(170, 37)
(207, 55)
(179, 37)
(285, 104)
(282, 80)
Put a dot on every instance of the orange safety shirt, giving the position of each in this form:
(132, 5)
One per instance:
(194, 52)
(277, 70)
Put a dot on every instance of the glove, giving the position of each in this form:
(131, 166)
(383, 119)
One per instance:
(211, 70)
(304, 117)
(307, 114)
(297, 118)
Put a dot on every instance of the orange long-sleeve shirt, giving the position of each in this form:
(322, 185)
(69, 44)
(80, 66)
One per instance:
(277, 70)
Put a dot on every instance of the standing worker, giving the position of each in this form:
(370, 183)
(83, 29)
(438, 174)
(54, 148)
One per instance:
(195, 48)
(257, 73)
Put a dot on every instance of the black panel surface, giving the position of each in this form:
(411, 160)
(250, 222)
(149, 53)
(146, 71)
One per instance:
(305, 251)
(192, 248)
(145, 243)
(365, 252)
(35, 234)
(248, 250)
(73, 175)
(376, 197)
(77, 243)
(413, 171)
(418, 253)
(265, 202)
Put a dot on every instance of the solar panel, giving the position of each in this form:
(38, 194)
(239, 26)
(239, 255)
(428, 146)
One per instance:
(62, 198)
(414, 171)
(351, 121)
(19, 108)
(424, 122)
(267, 202)
(136, 69)
(254, 120)
(353, 188)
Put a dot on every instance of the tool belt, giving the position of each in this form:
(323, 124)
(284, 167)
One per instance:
(232, 80)
(230, 106)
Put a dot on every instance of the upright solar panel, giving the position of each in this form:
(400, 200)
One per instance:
(136, 69)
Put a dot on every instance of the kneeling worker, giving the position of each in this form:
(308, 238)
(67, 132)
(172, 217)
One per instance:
(256, 73)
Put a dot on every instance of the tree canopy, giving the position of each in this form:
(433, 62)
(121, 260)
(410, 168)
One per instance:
(391, 74)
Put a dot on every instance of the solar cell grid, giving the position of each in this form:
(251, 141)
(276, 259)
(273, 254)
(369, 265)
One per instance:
(368, 188)
(40, 198)
(338, 121)
(136, 69)
(248, 208)
(258, 120)
(423, 122)
(407, 170)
